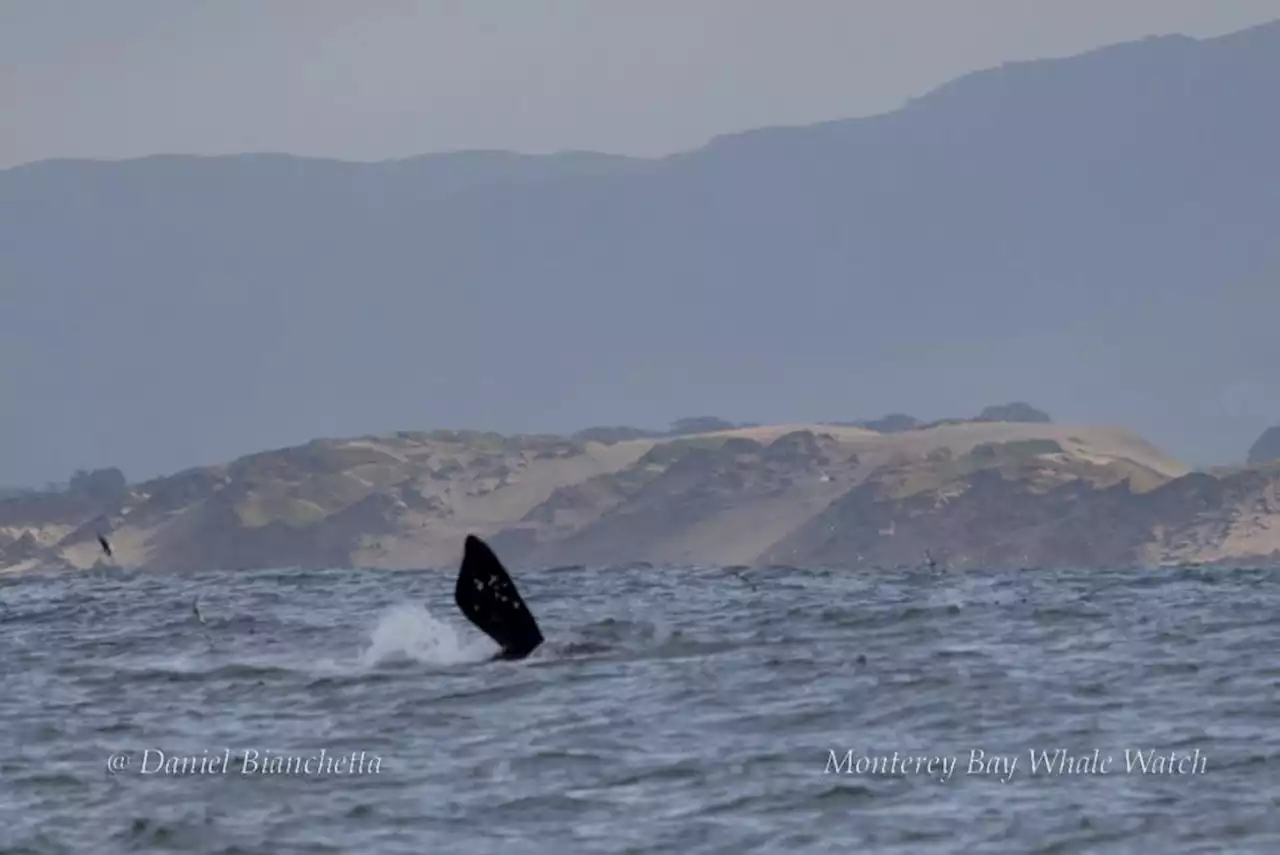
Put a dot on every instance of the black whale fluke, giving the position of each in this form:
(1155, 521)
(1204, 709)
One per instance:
(489, 599)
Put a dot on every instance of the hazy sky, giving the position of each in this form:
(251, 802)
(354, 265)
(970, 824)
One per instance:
(370, 79)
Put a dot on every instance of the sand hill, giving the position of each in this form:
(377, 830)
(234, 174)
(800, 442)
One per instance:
(971, 494)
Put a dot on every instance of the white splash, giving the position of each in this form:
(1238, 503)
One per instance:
(410, 631)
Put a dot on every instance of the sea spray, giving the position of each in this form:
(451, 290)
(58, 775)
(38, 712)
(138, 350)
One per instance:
(410, 631)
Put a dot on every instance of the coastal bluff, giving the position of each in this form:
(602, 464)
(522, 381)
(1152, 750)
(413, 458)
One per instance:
(974, 493)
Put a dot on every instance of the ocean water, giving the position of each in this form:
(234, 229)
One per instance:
(680, 709)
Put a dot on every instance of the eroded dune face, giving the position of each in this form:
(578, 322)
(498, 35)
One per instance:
(970, 494)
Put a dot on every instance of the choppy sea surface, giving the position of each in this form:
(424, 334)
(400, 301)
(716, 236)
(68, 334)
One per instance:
(681, 709)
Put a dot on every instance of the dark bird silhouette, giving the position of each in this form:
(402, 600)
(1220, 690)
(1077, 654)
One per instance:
(106, 547)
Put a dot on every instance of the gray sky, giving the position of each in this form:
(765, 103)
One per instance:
(371, 79)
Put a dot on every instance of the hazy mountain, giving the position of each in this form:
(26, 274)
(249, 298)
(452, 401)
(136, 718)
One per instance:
(1266, 449)
(1096, 234)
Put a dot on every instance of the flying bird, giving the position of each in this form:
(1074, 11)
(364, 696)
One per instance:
(106, 547)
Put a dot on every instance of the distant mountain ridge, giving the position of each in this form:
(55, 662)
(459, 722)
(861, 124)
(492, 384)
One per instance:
(1267, 447)
(1096, 232)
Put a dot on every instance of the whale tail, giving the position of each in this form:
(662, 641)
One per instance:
(489, 599)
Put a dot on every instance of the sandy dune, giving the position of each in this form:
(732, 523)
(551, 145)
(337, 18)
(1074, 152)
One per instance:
(832, 494)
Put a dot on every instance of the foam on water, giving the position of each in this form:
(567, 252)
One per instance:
(410, 631)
